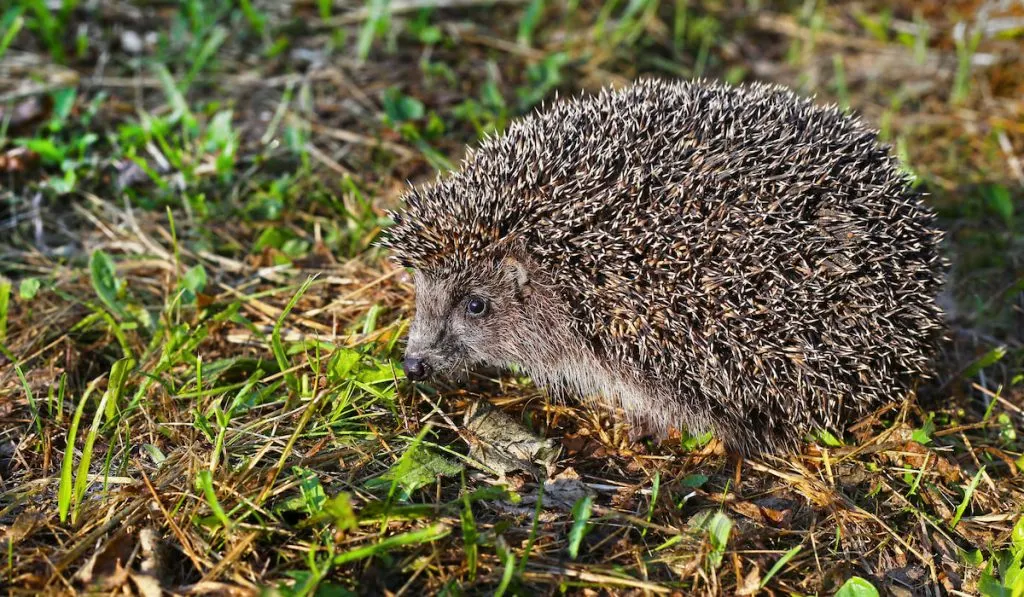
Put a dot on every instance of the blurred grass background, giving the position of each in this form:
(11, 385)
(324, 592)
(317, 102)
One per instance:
(199, 389)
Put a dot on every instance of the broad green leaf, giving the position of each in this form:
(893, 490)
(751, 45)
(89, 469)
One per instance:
(923, 434)
(339, 508)
(856, 586)
(105, 282)
(418, 469)
(46, 150)
(719, 527)
(194, 279)
(1017, 538)
(28, 289)
(342, 363)
(312, 492)
(402, 108)
(828, 439)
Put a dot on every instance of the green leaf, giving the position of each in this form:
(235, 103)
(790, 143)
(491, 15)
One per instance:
(923, 434)
(695, 480)
(339, 509)
(402, 108)
(580, 517)
(271, 237)
(989, 586)
(194, 280)
(219, 134)
(46, 149)
(312, 492)
(856, 586)
(28, 288)
(376, 25)
(174, 96)
(208, 49)
(105, 282)
(1017, 538)
(506, 556)
(418, 469)
(719, 527)
(972, 558)
(82, 476)
(999, 201)
(828, 439)
(342, 363)
(63, 102)
(694, 442)
(655, 486)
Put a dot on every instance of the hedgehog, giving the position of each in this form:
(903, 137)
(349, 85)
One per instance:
(697, 256)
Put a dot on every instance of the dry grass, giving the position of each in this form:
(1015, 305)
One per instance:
(199, 302)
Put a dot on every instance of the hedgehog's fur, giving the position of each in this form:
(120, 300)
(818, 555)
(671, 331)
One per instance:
(732, 259)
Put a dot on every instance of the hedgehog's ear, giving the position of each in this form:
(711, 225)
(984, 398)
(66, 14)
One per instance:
(511, 248)
(517, 270)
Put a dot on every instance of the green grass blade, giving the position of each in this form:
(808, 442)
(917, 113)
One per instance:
(534, 528)
(174, 96)
(205, 482)
(64, 490)
(24, 384)
(11, 30)
(217, 37)
(789, 555)
(655, 486)
(425, 535)
(275, 337)
(580, 516)
(508, 558)
(5, 302)
(82, 476)
(967, 498)
(469, 537)
(118, 375)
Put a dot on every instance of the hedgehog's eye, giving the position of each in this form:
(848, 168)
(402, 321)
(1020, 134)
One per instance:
(476, 306)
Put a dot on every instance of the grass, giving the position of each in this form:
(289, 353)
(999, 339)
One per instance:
(200, 386)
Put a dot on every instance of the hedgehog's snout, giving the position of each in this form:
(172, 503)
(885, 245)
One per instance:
(416, 368)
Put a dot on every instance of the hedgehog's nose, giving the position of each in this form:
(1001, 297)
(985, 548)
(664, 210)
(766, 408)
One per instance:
(416, 368)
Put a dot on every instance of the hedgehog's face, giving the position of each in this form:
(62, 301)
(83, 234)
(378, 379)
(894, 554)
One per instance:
(477, 316)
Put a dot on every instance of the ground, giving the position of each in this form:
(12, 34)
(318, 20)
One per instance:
(199, 379)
